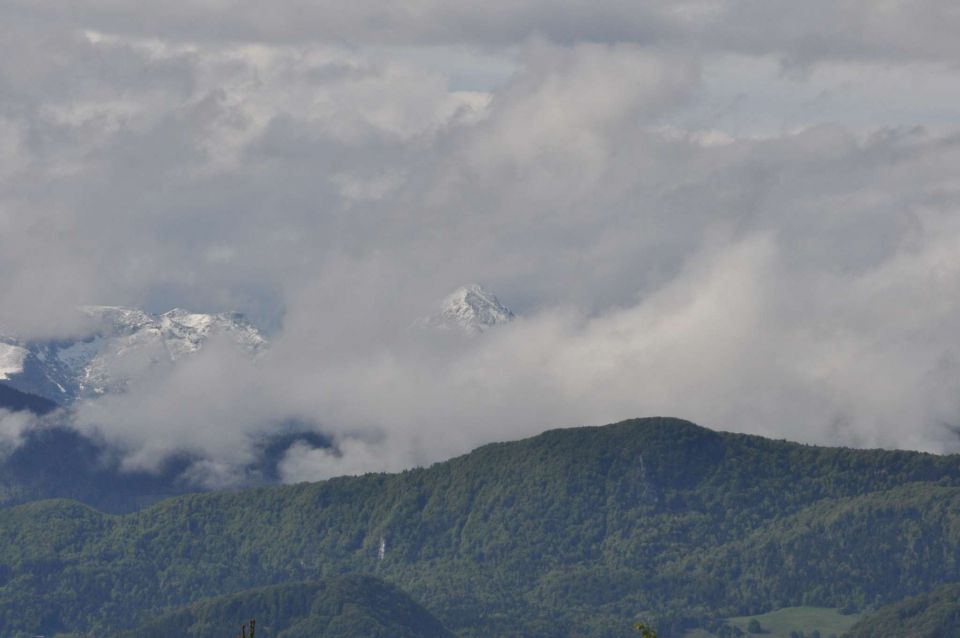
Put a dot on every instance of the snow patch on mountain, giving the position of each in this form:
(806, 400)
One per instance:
(11, 359)
(123, 344)
(472, 309)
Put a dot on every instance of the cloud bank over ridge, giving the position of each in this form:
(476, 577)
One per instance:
(620, 174)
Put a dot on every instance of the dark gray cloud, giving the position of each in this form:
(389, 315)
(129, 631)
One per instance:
(669, 253)
(799, 33)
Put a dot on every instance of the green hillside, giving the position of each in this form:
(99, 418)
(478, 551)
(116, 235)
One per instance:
(337, 607)
(571, 533)
(935, 614)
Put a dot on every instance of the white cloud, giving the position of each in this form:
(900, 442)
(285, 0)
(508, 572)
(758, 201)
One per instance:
(350, 456)
(686, 228)
(13, 427)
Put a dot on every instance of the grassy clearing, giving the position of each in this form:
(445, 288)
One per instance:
(779, 623)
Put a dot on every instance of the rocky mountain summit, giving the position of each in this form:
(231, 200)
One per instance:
(472, 309)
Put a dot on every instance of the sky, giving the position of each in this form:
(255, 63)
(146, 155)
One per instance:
(739, 212)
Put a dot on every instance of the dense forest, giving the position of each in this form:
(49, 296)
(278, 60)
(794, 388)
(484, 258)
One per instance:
(337, 607)
(575, 532)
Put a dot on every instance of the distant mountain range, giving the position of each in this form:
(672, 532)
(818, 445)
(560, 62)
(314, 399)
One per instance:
(575, 532)
(121, 346)
(124, 344)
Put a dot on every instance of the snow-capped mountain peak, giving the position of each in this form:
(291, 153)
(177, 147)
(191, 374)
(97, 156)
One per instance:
(121, 345)
(116, 320)
(471, 308)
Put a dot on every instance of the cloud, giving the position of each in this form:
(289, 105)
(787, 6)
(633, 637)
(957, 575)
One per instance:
(737, 340)
(798, 33)
(13, 427)
(207, 406)
(625, 178)
(350, 457)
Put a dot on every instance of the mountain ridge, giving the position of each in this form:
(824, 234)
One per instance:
(120, 345)
(582, 528)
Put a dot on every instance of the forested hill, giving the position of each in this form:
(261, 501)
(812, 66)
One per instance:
(935, 614)
(337, 607)
(573, 532)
